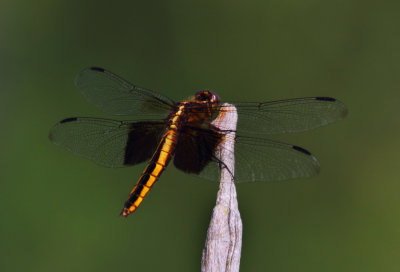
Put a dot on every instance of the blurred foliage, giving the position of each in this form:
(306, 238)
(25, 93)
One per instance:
(60, 212)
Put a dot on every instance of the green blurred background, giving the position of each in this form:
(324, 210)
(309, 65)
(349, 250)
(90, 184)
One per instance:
(59, 212)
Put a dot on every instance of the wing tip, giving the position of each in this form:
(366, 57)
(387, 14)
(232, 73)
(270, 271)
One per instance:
(308, 153)
(325, 98)
(343, 111)
(95, 68)
(302, 150)
(52, 133)
(70, 119)
(51, 136)
(84, 71)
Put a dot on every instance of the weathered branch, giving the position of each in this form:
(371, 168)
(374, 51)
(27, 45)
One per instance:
(223, 245)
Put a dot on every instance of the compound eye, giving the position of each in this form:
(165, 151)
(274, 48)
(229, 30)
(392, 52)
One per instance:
(215, 98)
(202, 96)
(197, 96)
(208, 96)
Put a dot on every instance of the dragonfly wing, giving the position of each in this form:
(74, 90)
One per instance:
(114, 95)
(286, 116)
(267, 160)
(256, 159)
(107, 142)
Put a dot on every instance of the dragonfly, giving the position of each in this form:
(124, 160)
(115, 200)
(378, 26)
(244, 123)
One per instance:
(160, 130)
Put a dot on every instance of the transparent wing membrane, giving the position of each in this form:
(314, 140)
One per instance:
(105, 141)
(114, 95)
(262, 160)
(287, 116)
(266, 160)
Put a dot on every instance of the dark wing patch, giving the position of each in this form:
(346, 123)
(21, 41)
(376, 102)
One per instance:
(142, 142)
(105, 141)
(195, 149)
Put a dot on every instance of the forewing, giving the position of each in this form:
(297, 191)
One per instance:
(107, 142)
(114, 95)
(286, 116)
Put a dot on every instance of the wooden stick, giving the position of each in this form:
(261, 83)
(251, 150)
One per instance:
(223, 245)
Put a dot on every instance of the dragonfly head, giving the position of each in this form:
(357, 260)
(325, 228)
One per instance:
(207, 104)
(208, 97)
